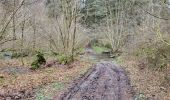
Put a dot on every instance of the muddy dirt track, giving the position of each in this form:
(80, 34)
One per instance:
(105, 81)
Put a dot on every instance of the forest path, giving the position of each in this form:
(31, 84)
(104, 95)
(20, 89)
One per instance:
(105, 81)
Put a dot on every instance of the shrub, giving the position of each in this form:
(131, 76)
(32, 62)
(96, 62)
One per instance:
(54, 53)
(160, 56)
(157, 55)
(17, 53)
(80, 51)
(94, 42)
(64, 59)
(20, 54)
(108, 45)
(40, 60)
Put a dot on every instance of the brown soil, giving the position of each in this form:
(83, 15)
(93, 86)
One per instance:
(105, 81)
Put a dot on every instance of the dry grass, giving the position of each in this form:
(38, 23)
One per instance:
(147, 81)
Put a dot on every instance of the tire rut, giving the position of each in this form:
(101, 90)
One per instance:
(105, 81)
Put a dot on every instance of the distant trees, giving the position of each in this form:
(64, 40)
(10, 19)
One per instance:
(121, 19)
(65, 13)
(62, 22)
(112, 16)
(93, 12)
(117, 24)
(9, 12)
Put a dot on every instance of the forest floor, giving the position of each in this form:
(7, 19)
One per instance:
(18, 82)
(148, 84)
(93, 77)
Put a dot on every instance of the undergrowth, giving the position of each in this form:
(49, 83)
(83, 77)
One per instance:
(99, 49)
(157, 55)
(65, 59)
(47, 92)
(40, 60)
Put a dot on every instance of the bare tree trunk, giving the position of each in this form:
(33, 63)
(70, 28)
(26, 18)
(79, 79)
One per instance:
(74, 33)
(14, 28)
(4, 28)
(22, 40)
(34, 37)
